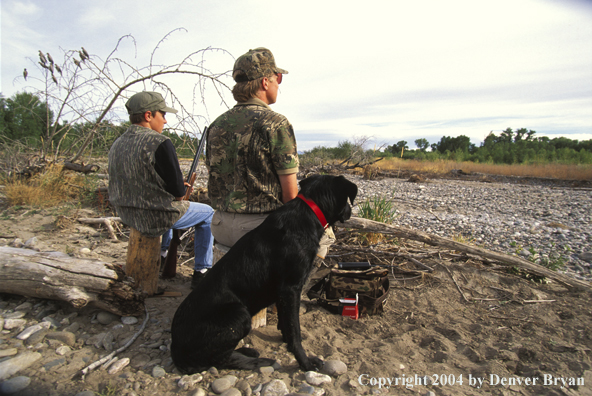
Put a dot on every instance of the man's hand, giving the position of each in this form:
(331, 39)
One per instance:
(188, 192)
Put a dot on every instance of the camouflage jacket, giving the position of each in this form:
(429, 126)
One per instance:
(135, 188)
(247, 148)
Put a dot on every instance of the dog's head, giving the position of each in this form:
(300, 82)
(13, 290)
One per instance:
(330, 193)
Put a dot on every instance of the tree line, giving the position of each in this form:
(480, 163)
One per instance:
(24, 119)
(509, 147)
(518, 146)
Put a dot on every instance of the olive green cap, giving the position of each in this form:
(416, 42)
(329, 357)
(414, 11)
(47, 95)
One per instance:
(256, 63)
(147, 101)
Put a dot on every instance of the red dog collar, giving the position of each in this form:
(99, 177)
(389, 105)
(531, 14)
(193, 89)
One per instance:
(317, 211)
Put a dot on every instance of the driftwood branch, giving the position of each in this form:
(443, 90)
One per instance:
(90, 168)
(57, 276)
(106, 221)
(82, 373)
(433, 240)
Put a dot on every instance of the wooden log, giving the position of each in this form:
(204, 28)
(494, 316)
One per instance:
(89, 168)
(143, 261)
(260, 318)
(57, 276)
(433, 240)
(106, 221)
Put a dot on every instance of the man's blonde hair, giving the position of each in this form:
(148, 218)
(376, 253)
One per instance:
(243, 91)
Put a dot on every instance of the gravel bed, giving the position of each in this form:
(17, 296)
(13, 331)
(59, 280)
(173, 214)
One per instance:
(547, 224)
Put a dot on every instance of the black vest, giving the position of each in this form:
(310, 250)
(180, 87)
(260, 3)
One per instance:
(135, 189)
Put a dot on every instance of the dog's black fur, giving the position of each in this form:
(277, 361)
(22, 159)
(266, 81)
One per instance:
(268, 265)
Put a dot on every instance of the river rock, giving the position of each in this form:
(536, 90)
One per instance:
(334, 368)
(158, 372)
(51, 322)
(36, 337)
(266, 370)
(12, 366)
(63, 336)
(199, 392)
(244, 387)
(187, 381)
(106, 318)
(129, 320)
(14, 385)
(63, 350)
(222, 384)
(316, 379)
(23, 335)
(8, 352)
(10, 324)
(231, 392)
(15, 315)
(275, 388)
(25, 307)
(73, 327)
(107, 341)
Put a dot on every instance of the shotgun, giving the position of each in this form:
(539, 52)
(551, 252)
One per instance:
(170, 264)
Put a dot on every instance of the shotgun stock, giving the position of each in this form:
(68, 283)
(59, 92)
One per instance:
(170, 264)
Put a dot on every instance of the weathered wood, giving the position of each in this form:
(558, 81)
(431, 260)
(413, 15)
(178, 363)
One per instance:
(57, 276)
(433, 240)
(259, 319)
(106, 221)
(143, 261)
(89, 168)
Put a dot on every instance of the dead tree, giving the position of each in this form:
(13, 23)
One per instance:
(89, 91)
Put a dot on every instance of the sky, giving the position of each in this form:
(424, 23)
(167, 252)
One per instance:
(385, 71)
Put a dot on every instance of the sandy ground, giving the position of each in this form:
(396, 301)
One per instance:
(503, 335)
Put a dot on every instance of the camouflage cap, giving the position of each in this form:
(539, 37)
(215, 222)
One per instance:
(256, 63)
(147, 101)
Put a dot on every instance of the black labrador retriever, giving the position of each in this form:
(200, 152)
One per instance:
(268, 265)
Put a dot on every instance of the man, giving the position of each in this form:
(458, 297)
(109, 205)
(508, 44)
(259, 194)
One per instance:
(146, 183)
(251, 151)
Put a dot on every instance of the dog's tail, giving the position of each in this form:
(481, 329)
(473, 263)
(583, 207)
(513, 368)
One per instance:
(247, 359)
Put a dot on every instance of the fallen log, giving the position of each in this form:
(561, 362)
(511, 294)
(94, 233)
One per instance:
(89, 168)
(433, 240)
(107, 221)
(57, 276)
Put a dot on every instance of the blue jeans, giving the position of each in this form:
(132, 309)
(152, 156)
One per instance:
(199, 216)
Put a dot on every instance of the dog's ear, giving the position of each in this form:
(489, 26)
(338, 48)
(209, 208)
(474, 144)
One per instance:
(348, 188)
(306, 181)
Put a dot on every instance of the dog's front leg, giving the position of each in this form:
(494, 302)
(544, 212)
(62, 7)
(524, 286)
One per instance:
(289, 324)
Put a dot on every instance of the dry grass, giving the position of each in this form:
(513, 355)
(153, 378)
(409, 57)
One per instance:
(554, 171)
(51, 188)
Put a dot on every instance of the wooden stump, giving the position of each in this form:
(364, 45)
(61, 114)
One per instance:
(143, 261)
(260, 318)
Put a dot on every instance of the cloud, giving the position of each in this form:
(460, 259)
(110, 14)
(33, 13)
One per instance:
(389, 69)
(98, 18)
(24, 8)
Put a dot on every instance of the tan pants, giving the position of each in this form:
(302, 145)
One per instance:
(228, 228)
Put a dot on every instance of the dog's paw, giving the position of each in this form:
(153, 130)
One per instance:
(314, 364)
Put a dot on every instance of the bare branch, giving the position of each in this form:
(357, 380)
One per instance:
(87, 91)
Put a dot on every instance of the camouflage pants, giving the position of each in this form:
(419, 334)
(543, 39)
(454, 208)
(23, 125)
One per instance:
(228, 228)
